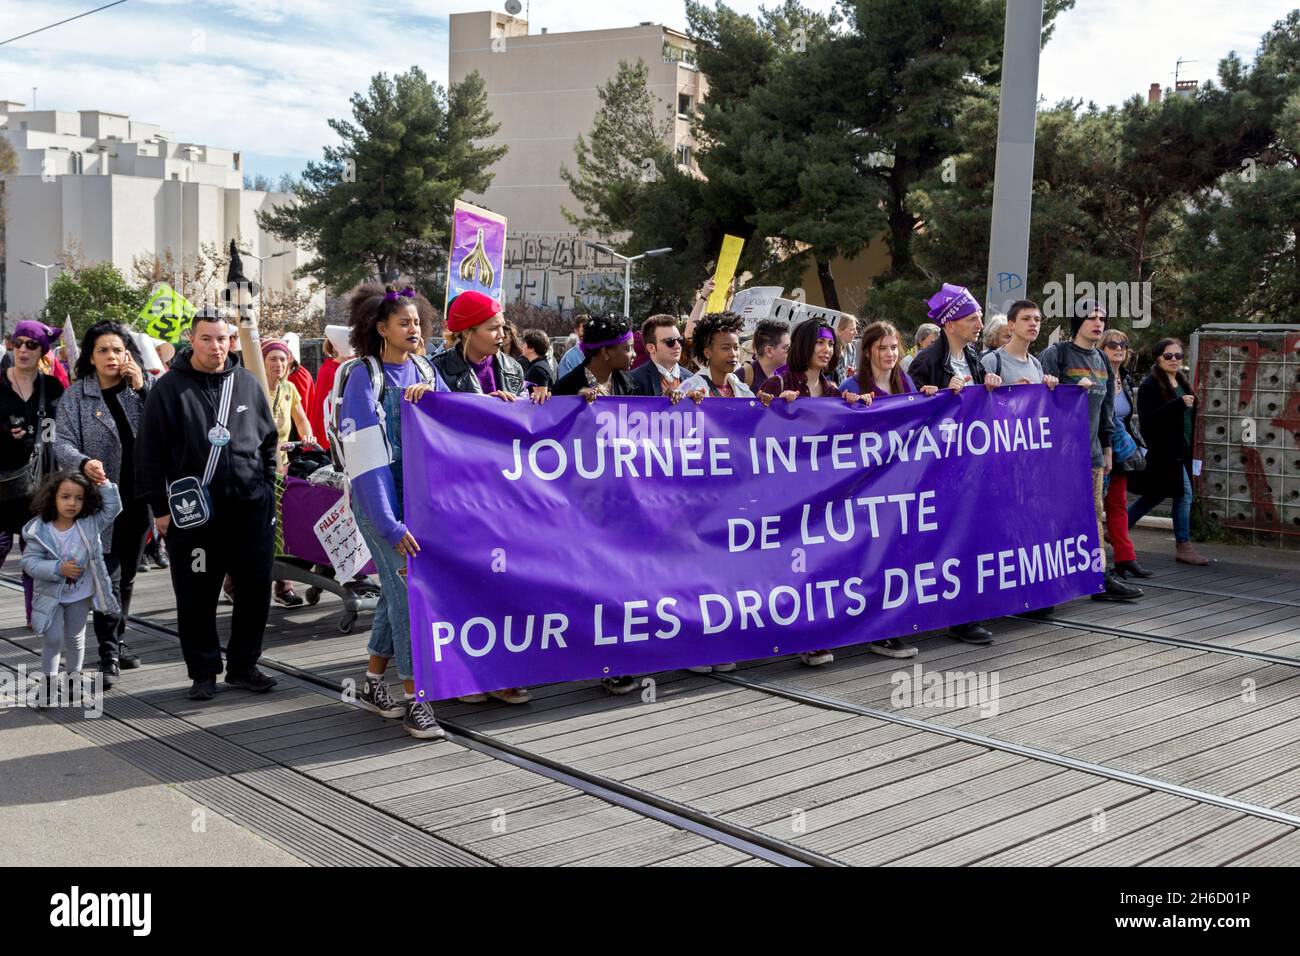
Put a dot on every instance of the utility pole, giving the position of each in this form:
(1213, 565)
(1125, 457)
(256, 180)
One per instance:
(1013, 183)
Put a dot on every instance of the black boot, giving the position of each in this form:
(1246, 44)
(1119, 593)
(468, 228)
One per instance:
(111, 672)
(1117, 590)
(1131, 569)
(972, 634)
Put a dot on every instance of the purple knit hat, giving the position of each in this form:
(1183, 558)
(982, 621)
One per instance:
(37, 331)
(950, 303)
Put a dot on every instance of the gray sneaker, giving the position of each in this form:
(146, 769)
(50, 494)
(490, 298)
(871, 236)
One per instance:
(375, 698)
(419, 721)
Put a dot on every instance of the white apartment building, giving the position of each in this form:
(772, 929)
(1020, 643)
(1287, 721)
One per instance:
(116, 189)
(543, 90)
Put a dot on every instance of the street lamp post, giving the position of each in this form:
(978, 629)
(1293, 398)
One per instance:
(627, 269)
(261, 279)
(45, 269)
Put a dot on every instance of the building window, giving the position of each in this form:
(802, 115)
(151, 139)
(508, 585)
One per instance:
(678, 54)
(684, 105)
(683, 155)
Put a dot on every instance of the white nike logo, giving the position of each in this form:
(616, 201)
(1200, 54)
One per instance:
(242, 408)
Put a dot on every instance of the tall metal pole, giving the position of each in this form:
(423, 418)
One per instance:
(1013, 183)
(627, 288)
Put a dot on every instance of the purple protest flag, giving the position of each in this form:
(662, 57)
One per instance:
(569, 542)
(478, 252)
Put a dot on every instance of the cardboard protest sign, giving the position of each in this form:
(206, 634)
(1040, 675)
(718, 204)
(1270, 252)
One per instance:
(728, 259)
(167, 314)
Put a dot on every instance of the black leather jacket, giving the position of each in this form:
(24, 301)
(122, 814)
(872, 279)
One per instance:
(459, 374)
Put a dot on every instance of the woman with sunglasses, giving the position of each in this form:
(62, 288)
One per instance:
(1167, 410)
(1114, 345)
(28, 402)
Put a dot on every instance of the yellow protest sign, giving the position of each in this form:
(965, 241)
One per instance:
(728, 258)
(167, 314)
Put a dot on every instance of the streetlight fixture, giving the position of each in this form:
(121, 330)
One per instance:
(46, 269)
(627, 269)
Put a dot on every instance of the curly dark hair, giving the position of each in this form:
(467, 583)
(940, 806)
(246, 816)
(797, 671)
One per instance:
(709, 326)
(604, 328)
(84, 367)
(45, 502)
(369, 305)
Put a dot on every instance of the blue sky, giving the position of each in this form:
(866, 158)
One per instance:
(263, 76)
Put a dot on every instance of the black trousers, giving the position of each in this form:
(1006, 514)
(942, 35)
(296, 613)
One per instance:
(239, 540)
(129, 531)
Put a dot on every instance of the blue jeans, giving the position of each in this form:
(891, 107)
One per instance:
(1182, 509)
(390, 635)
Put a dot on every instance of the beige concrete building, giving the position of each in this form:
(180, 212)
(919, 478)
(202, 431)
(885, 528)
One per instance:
(543, 90)
(115, 189)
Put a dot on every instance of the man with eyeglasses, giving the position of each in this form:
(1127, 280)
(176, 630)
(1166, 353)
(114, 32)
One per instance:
(1079, 361)
(663, 342)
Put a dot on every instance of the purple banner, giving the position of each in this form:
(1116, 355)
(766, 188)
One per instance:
(478, 252)
(569, 542)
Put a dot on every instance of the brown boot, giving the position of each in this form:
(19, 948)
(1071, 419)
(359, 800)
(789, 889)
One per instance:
(1187, 554)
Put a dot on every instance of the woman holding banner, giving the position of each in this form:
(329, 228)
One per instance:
(99, 416)
(814, 350)
(385, 334)
(476, 365)
(607, 355)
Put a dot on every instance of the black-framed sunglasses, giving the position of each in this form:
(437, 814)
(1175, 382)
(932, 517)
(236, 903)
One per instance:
(1172, 356)
(1122, 346)
(673, 342)
(27, 344)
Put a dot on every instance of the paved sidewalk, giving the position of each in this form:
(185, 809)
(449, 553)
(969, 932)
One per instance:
(67, 802)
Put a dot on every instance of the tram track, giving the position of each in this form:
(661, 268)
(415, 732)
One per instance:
(642, 802)
(764, 846)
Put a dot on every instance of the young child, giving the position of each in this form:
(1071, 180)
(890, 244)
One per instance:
(65, 559)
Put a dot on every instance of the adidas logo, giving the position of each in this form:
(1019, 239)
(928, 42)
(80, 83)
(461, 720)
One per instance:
(186, 508)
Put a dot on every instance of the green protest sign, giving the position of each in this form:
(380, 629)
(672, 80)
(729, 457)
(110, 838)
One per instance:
(167, 314)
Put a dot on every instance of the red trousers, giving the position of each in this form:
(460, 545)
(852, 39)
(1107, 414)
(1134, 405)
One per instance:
(1117, 518)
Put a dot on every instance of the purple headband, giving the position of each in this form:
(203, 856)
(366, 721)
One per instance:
(37, 332)
(597, 346)
(950, 303)
(407, 293)
(825, 333)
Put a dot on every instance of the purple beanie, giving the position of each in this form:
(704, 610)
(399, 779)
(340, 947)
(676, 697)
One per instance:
(950, 303)
(37, 331)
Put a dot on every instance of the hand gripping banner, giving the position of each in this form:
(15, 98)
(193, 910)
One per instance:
(568, 542)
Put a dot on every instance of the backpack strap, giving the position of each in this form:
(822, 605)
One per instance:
(997, 360)
(425, 368)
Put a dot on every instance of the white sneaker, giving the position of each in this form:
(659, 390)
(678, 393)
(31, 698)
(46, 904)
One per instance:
(472, 698)
(723, 668)
(511, 695)
(702, 669)
(892, 648)
(816, 658)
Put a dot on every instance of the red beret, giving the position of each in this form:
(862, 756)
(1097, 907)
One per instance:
(470, 309)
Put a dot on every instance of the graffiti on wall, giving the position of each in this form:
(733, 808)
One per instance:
(1248, 384)
(549, 268)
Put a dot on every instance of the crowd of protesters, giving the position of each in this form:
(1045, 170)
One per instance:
(90, 462)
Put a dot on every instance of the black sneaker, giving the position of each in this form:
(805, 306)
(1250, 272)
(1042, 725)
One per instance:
(375, 698)
(143, 566)
(972, 634)
(252, 679)
(128, 662)
(205, 688)
(159, 556)
(111, 673)
(892, 648)
(1117, 590)
(618, 685)
(419, 721)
